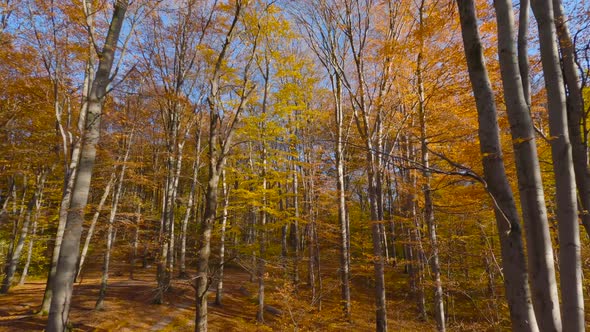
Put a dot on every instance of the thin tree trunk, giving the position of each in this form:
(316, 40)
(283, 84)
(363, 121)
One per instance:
(13, 258)
(68, 253)
(563, 168)
(110, 237)
(219, 290)
(25, 272)
(518, 294)
(189, 206)
(90, 233)
(342, 218)
(133, 260)
(439, 311)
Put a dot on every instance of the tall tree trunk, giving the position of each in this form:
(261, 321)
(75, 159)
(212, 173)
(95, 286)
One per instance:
(13, 258)
(563, 168)
(71, 169)
(202, 281)
(294, 235)
(261, 266)
(189, 206)
(518, 294)
(575, 111)
(110, 238)
(133, 260)
(25, 272)
(539, 249)
(219, 290)
(70, 246)
(90, 232)
(342, 219)
(439, 311)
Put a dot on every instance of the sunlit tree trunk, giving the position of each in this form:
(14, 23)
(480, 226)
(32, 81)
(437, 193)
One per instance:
(439, 311)
(90, 232)
(110, 238)
(342, 219)
(68, 254)
(71, 167)
(575, 111)
(133, 260)
(189, 206)
(219, 147)
(532, 199)
(518, 295)
(13, 258)
(570, 265)
(25, 272)
(219, 290)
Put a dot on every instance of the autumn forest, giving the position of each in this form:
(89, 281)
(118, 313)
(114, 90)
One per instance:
(294, 165)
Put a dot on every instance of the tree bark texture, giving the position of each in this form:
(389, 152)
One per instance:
(70, 246)
(570, 263)
(518, 294)
(532, 198)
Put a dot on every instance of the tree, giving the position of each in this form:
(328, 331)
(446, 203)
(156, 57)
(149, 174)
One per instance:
(220, 141)
(507, 219)
(69, 249)
(532, 199)
(563, 169)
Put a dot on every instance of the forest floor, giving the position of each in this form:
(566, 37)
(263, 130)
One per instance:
(129, 307)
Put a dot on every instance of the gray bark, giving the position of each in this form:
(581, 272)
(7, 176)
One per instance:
(25, 272)
(342, 219)
(133, 260)
(90, 232)
(575, 112)
(70, 246)
(13, 258)
(516, 285)
(522, 43)
(219, 290)
(71, 169)
(570, 265)
(110, 238)
(218, 150)
(439, 310)
(532, 198)
(189, 206)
